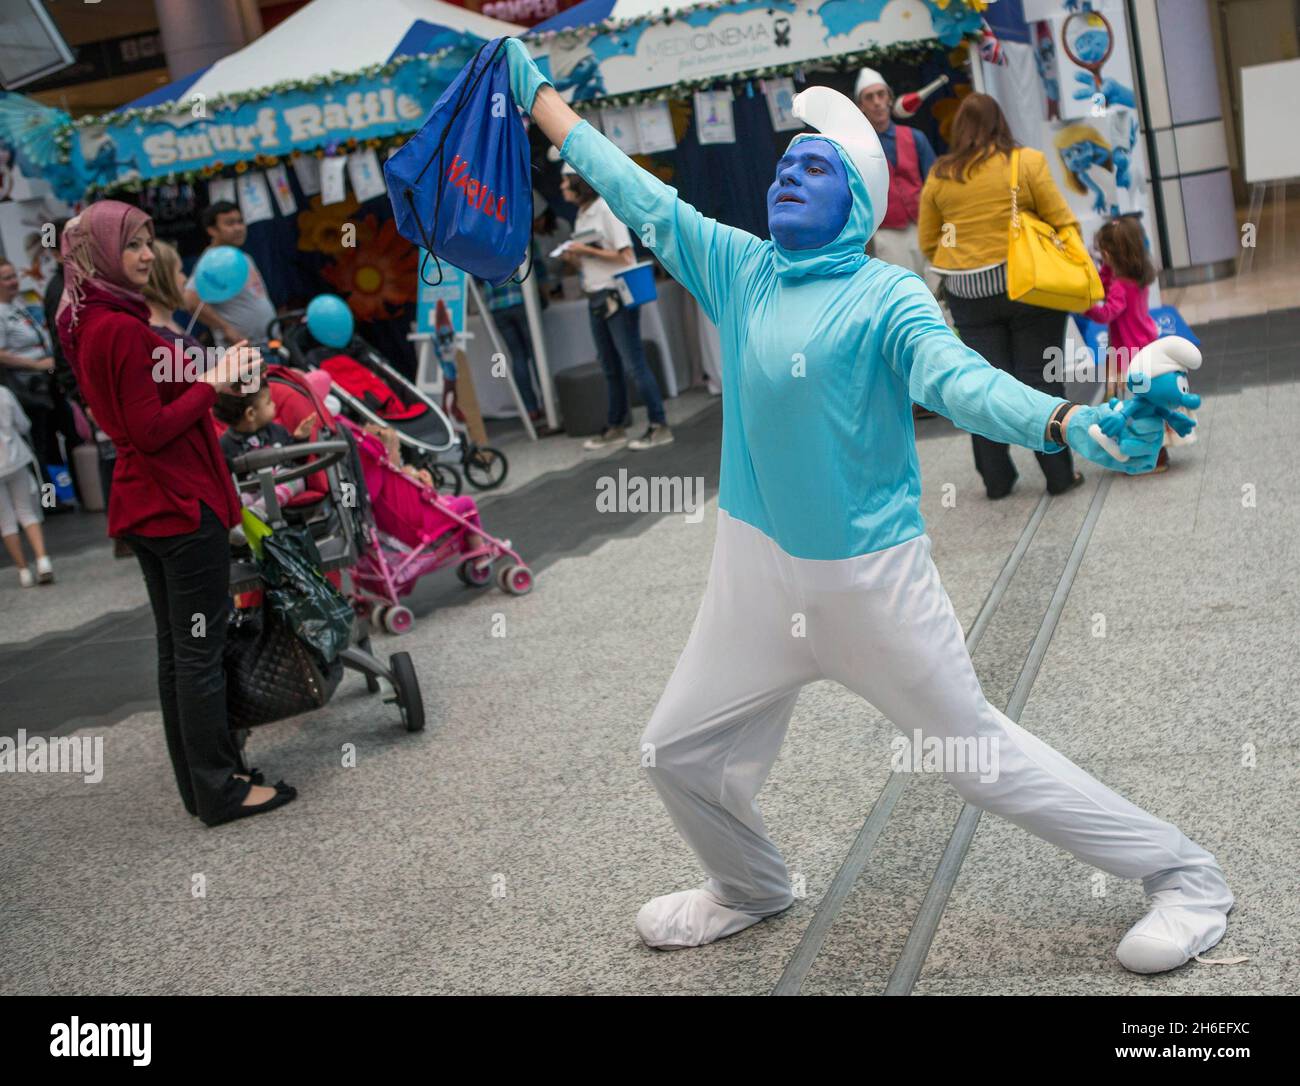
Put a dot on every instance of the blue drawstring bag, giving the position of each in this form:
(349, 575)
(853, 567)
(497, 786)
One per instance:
(460, 186)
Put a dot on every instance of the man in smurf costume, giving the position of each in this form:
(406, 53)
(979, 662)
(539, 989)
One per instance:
(823, 351)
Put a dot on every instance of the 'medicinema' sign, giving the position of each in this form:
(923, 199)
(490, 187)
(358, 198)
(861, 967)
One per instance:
(199, 135)
(742, 36)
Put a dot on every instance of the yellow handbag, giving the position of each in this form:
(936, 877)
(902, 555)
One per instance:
(1046, 267)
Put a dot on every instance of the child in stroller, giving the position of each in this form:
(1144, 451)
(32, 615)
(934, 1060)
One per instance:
(417, 530)
(250, 421)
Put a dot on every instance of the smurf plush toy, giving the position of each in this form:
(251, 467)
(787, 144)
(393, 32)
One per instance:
(1157, 377)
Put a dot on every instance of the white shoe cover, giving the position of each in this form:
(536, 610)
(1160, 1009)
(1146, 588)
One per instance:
(689, 918)
(1168, 937)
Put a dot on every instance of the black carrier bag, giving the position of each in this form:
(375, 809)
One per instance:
(282, 659)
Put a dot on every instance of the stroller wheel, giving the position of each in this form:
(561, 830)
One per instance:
(397, 620)
(447, 479)
(475, 572)
(377, 615)
(407, 687)
(485, 467)
(516, 580)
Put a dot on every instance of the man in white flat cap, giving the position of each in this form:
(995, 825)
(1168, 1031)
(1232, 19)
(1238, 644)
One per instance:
(910, 157)
(821, 562)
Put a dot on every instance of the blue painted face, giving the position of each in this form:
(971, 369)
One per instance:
(809, 202)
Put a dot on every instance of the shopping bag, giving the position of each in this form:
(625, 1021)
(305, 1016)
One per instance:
(297, 591)
(460, 187)
(1169, 322)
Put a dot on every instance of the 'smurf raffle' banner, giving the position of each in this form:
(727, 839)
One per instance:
(203, 133)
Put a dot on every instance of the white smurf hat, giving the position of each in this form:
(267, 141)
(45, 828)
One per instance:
(868, 77)
(1170, 354)
(836, 118)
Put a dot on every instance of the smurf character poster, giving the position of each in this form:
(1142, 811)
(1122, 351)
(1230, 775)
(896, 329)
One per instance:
(1083, 53)
(1100, 164)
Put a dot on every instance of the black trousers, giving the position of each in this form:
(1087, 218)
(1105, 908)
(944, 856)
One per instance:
(1014, 337)
(188, 577)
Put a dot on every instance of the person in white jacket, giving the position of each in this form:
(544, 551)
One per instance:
(17, 509)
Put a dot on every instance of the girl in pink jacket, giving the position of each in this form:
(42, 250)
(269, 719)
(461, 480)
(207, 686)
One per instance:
(1127, 274)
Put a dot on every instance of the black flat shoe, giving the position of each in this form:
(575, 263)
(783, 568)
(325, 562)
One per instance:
(284, 793)
(1077, 481)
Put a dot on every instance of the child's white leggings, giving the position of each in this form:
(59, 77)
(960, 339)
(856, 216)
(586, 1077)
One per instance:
(16, 508)
(883, 626)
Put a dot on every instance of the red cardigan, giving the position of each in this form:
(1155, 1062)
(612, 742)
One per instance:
(168, 457)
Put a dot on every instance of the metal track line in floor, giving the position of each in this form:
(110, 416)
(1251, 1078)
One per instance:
(814, 937)
(915, 950)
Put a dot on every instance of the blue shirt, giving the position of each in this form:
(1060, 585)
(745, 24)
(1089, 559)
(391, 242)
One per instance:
(823, 352)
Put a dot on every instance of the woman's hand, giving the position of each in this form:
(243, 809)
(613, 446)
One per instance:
(44, 365)
(235, 367)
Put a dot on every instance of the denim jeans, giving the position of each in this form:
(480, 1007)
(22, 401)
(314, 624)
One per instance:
(513, 325)
(188, 577)
(618, 343)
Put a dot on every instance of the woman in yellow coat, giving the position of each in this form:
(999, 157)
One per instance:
(962, 230)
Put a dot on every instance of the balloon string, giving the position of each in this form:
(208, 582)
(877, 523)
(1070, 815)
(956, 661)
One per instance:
(190, 327)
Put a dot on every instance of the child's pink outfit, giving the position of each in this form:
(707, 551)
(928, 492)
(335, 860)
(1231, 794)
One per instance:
(403, 507)
(1124, 312)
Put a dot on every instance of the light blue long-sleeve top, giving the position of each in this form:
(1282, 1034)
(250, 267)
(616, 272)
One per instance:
(823, 351)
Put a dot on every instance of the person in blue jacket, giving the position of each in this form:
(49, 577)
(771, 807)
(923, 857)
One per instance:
(821, 566)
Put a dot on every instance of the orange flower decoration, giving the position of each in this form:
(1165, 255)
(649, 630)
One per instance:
(320, 229)
(377, 278)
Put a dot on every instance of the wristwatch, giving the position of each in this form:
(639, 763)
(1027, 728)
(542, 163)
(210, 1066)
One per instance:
(1055, 425)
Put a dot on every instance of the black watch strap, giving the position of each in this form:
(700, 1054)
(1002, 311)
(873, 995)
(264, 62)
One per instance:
(1055, 428)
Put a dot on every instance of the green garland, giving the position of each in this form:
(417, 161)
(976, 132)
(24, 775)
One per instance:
(909, 52)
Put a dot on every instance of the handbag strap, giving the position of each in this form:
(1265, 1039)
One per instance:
(1015, 189)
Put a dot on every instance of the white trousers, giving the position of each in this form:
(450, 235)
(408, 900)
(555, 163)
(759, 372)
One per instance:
(16, 506)
(883, 626)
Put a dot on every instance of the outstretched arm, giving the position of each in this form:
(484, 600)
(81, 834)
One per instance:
(700, 253)
(945, 375)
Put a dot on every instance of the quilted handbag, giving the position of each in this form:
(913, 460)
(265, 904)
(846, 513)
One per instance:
(270, 674)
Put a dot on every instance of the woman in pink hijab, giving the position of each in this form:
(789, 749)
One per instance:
(172, 498)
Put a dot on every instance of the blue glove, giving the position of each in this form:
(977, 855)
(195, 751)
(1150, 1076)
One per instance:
(1113, 92)
(1140, 439)
(526, 78)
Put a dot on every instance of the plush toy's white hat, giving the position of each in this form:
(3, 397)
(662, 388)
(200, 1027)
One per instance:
(868, 77)
(1170, 354)
(836, 118)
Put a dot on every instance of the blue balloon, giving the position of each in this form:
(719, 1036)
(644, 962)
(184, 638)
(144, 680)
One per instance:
(330, 320)
(220, 274)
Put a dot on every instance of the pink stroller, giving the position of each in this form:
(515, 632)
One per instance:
(415, 531)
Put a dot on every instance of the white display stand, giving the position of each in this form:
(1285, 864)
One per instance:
(1269, 93)
(567, 343)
